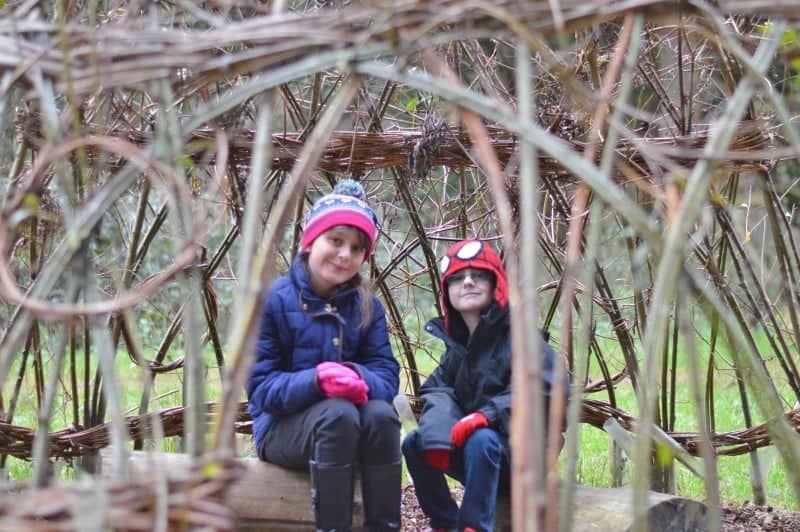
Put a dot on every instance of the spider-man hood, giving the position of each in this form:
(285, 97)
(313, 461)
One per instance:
(472, 254)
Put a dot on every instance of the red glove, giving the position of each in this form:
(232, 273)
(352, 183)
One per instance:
(438, 458)
(465, 426)
(337, 380)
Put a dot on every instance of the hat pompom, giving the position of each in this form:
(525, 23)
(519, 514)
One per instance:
(350, 187)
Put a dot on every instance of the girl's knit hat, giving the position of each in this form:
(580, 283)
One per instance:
(346, 205)
(472, 254)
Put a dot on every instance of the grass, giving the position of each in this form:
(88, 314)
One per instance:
(593, 467)
(166, 393)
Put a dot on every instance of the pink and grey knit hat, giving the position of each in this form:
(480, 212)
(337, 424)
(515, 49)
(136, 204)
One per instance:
(346, 205)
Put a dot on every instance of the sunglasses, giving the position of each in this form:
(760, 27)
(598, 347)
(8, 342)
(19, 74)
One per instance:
(477, 276)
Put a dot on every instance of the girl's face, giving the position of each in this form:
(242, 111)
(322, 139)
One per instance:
(335, 257)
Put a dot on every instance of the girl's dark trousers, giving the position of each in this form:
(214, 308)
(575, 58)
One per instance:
(333, 438)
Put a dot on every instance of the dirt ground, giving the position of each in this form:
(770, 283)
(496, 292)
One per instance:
(749, 517)
(735, 518)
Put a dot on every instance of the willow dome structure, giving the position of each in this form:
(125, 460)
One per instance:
(635, 162)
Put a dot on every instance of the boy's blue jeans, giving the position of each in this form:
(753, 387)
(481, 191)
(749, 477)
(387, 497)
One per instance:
(483, 466)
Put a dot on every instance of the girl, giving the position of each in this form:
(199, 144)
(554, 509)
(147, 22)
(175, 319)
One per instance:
(321, 387)
(463, 429)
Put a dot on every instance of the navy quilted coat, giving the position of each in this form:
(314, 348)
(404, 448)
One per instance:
(298, 331)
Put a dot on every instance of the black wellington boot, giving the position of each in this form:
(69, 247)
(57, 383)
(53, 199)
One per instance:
(381, 489)
(332, 496)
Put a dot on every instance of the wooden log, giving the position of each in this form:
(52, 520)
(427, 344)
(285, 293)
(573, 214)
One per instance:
(270, 498)
(266, 497)
(611, 510)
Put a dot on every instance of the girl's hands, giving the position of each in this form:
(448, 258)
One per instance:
(337, 380)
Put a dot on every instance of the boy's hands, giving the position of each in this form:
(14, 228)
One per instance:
(337, 380)
(465, 426)
(462, 430)
(438, 458)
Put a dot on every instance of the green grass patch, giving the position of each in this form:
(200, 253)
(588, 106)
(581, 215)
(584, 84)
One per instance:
(594, 460)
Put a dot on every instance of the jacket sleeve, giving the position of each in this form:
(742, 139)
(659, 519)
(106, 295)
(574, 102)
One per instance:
(270, 388)
(376, 363)
(440, 409)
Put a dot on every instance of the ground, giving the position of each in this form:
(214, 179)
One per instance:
(749, 517)
(735, 518)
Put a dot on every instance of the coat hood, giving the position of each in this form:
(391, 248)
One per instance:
(471, 254)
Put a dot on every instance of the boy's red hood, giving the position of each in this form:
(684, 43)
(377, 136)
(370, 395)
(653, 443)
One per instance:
(472, 254)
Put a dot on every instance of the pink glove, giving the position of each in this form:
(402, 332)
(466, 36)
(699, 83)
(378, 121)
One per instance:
(337, 380)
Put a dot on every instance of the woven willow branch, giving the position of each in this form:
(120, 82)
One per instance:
(117, 55)
(364, 151)
(193, 502)
(72, 442)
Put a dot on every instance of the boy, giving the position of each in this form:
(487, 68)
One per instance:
(466, 413)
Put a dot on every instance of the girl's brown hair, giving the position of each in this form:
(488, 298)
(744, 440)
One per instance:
(365, 294)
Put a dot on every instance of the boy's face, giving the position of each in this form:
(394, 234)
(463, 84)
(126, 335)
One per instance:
(470, 290)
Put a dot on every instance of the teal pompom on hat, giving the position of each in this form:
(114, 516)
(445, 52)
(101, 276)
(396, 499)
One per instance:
(350, 187)
(346, 205)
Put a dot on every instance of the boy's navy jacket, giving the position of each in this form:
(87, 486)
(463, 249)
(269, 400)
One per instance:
(298, 331)
(475, 377)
